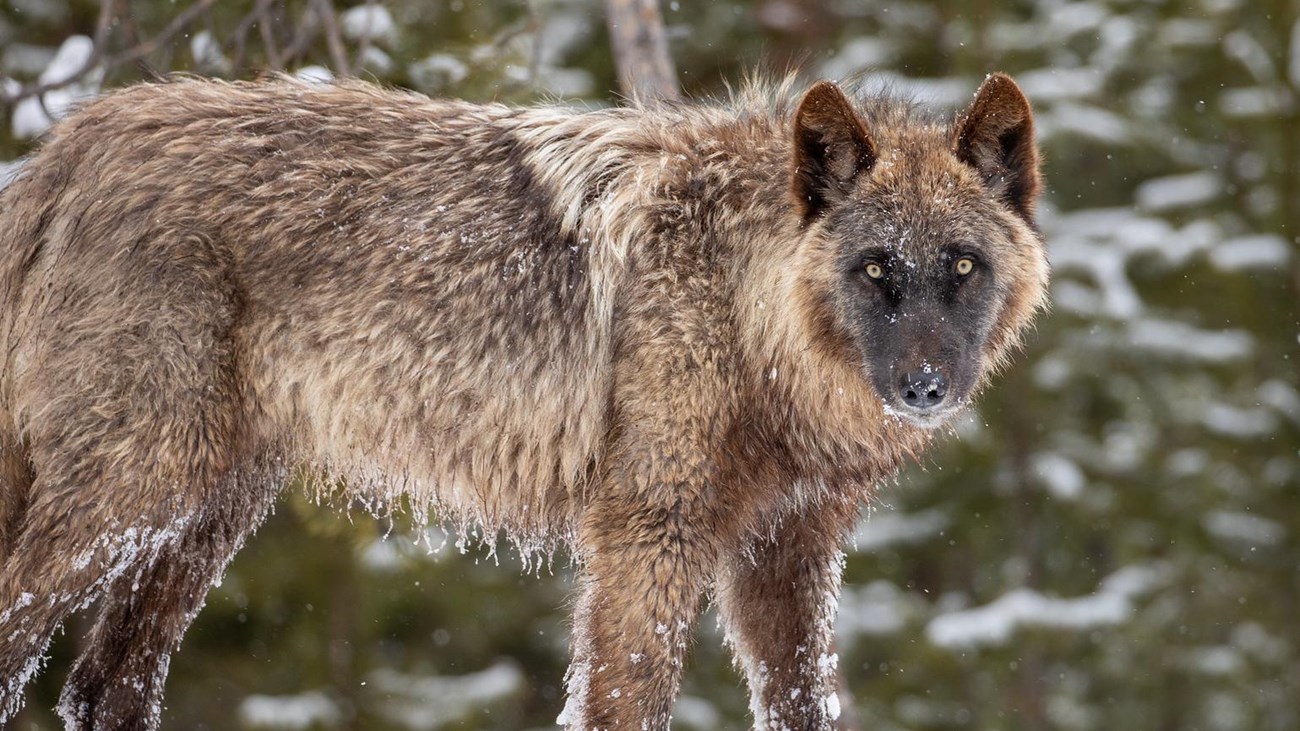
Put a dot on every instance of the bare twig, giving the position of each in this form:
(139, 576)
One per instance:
(333, 38)
(277, 58)
(179, 23)
(128, 29)
(513, 31)
(305, 31)
(364, 45)
(127, 25)
(104, 23)
(267, 30)
(531, 25)
(534, 26)
(237, 44)
(103, 28)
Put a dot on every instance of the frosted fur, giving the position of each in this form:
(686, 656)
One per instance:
(640, 333)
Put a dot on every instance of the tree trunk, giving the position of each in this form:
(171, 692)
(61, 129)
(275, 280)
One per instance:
(636, 31)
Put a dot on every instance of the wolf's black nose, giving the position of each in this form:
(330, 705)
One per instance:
(923, 390)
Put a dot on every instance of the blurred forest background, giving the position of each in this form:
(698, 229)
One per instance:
(1111, 541)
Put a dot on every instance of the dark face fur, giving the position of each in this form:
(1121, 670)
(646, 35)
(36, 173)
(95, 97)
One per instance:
(922, 226)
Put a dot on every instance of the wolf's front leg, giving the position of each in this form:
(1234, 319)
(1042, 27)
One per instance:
(778, 605)
(647, 555)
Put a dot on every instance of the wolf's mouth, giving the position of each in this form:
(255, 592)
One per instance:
(931, 418)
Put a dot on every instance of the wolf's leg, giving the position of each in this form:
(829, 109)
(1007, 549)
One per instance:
(117, 682)
(118, 510)
(643, 575)
(778, 607)
(647, 543)
(649, 537)
(76, 540)
(129, 406)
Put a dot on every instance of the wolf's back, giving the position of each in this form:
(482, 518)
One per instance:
(411, 267)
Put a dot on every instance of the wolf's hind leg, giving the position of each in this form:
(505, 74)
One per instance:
(147, 507)
(15, 489)
(66, 554)
(130, 407)
(117, 682)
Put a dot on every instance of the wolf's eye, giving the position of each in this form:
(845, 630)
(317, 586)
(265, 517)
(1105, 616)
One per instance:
(965, 265)
(874, 270)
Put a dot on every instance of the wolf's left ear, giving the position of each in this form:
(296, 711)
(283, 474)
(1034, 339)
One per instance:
(995, 135)
(831, 148)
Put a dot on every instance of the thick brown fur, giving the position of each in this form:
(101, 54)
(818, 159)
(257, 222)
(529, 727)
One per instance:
(631, 331)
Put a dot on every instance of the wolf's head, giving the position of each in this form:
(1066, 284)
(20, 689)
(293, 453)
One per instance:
(922, 237)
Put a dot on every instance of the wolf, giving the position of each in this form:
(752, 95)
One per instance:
(685, 341)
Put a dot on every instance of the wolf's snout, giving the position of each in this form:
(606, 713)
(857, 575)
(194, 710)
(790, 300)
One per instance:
(923, 390)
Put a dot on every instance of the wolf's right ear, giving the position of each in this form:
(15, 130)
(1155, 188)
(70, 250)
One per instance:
(831, 148)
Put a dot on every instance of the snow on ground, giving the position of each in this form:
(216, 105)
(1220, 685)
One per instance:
(1084, 120)
(1261, 251)
(1179, 191)
(1178, 340)
(995, 623)
(877, 609)
(428, 702)
(695, 713)
(1062, 477)
(436, 72)
(1244, 528)
(885, 529)
(369, 21)
(318, 74)
(308, 710)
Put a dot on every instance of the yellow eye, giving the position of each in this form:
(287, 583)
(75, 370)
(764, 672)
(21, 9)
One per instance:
(965, 265)
(874, 270)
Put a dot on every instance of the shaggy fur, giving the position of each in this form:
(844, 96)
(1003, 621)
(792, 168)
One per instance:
(644, 333)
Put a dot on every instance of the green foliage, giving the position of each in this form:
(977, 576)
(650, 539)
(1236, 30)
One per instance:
(1142, 453)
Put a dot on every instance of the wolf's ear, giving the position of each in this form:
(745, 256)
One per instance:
(995, 135)
(831, 148)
